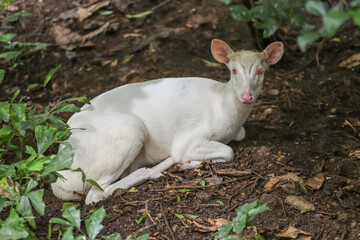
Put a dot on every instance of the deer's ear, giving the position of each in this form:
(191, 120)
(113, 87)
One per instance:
(274, 52)
(220, 50)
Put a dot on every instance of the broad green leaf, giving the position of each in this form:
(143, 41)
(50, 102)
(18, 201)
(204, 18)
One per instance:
(34, 164)
(315, 7)
(7, 37)
(270, 28)
(51, 74)
(3, 203)
(7, 171)
(224, 230)
(240, 13)
(30, 185)
(355, 14)
(93, 223)
(44, 137)
(105, 12)
(37, 201)
(30, 150)
(17, 114)
(139, 15)
(4, 111)
(114, 236)
(304, 40)
(253, 212)
(259, 237)
(61, 161)
(16, 16)
(2, 74)
(73, 215)
(58, 122)
(144, 237)
(6, 133)
(240, 222)
(68, 108)
(25, 210)
(68, 235)
(179, 215)
(332, 20)
(80, 237)
(12, 55)
(13, 227)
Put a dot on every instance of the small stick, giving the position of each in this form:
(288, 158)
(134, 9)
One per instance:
(147, 212)
(167, 222)
(193, 187)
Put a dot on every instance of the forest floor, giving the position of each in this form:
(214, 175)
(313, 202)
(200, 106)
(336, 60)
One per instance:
(303, 130)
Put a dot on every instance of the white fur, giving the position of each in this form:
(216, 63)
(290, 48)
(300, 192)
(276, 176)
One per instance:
(159, 122)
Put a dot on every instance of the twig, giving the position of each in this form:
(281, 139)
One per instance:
(167, 222)
(194, 187)
(318, 236)
(148, 213)
(159, 5)
(344, 233)
(318, 50)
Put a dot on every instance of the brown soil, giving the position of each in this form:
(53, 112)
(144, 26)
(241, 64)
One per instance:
(306, 120)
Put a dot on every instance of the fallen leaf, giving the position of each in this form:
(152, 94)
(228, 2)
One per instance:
(348, 188)
(274, 92)
(316, 181)
(351, 62)
(87, 11)
(269, 185)
(65, 38)
(356, 153)
(300, 203)
(196, 20)
(293, 233)
(215, 224)
(101, 29)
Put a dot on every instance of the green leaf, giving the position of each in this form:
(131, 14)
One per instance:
(315, 7)
(2, 75)
(192, 216)
(114, 236)
(44, 137)
(12, 55)
(13, 227)
(304, 40)
(37, 201)
(227, 2)
(60, 221)
(138, 221)
(30, 150)
(7, 187)
(105, 12)
(93, 183)
(355, 14)
(69, 235)
(4, 111)
(33, 85)
(201, 181)
(61, 161)
(183, 190)
(67, 205)
(332, 20)
(51, 74)
(58, 122)
(6, 133)
(16, 16)
(224, 230)
(139, 15)
(259, 237)
(93, 223)
(144, 237)
(17, 114)
(30, 185)
(221, 203)
(179, 215)
(15, 95)
(73, 215)
(253, 212)
(68, 108)
(241, 13)
(24, 209)
(37, 45)
(270, 28)
(6, 38)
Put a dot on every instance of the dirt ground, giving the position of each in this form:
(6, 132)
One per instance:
(305, 122)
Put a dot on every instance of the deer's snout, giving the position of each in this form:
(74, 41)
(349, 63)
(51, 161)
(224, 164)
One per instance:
(246, 98)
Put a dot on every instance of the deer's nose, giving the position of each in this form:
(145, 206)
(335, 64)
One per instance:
(246, 98)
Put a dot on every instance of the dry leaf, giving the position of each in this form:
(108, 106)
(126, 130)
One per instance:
(290, 177)
(293, 233)
(300, 203)
(87, 11)
(65, 38)
(215, 224)
(316, 181)
(101, 29)
(211, 64)
(196, 20)
(351, 62)
(269, 185)
(274, 92)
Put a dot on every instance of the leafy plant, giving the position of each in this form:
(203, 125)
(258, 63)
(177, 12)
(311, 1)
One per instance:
(27, 136)
(245, 214)
(93, 226)
(271, 15)
(47, 78)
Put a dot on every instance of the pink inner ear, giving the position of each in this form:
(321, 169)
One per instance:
(274, 52)
(220, 50)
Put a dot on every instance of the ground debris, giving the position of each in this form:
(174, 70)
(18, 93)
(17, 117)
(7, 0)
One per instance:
(300, 203)
(316, 181)
(294, 233)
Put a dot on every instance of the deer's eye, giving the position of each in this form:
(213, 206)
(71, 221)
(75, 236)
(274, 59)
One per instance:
(233, 71)
(260, 71)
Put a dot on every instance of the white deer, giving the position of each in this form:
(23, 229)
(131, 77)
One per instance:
(134, 132)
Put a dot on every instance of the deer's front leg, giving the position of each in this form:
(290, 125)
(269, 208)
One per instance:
(241, 135)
